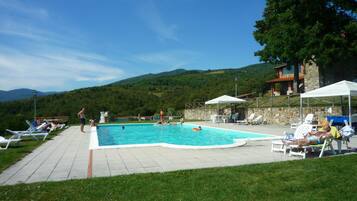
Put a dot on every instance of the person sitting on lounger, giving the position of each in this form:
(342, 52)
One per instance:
(311, 139)
(325, 126)
(318, 137)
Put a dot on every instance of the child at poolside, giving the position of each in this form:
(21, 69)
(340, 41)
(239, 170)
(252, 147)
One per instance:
(82, 119)
(92, 122)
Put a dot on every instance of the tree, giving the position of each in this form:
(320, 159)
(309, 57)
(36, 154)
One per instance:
(297, 31)
(331, 31)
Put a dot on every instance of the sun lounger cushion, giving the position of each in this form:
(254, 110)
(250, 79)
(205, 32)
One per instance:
(2, 139)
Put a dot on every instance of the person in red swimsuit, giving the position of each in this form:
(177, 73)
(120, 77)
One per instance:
(161, 116)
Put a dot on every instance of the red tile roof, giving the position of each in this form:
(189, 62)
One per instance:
(284, 79)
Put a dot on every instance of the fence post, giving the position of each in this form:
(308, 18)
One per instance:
(333, 102)
(257, 102)
(271, 102)
(341, 102)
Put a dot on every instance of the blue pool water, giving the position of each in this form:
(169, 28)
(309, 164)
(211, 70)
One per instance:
(170, 134)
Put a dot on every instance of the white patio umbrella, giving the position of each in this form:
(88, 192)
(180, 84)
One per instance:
(224, 99)
(342, 88)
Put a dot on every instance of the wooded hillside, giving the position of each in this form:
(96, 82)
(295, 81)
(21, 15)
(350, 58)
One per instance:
(143, 94)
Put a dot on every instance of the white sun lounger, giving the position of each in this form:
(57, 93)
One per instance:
(56, 127)
(296, 150)
(22, 134)
(7, 142)
(258, 120)
(248, 120)
(36, 129)
(300, 132)
(31, 129)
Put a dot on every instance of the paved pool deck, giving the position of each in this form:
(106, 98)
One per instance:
(67, 156)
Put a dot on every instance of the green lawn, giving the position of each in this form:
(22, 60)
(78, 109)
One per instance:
(15, 152)
(330, 178)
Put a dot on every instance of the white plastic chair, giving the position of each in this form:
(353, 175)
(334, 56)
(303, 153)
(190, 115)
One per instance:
(248, 120)
(300, 132)
(346, 132)
(258, 120)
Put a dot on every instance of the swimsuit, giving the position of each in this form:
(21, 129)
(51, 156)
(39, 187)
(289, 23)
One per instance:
(314, 139)
(82, 120)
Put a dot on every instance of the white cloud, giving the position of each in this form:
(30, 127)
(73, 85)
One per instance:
(43, 70)
(25, 9)
(13, 28)
(39, 35)
(170, 59)
(42, 59)
(151, 16)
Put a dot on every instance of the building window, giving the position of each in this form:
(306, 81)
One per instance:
(290, 70)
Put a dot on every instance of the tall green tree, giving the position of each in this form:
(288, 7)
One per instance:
(297, 31)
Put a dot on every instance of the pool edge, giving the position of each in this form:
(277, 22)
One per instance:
(94, 144)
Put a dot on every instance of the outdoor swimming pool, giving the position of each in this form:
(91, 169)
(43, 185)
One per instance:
(178, 136)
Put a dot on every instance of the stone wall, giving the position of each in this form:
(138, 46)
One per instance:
(311, 77)
(275, 115)
(287, 115)
(199, 113)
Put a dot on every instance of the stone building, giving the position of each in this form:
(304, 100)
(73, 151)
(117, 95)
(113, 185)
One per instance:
(283, 83)
(316, 77)
(311, 76)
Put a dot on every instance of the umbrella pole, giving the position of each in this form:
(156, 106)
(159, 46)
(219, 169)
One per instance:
(217, 113)
(301, 109)
(349, 110)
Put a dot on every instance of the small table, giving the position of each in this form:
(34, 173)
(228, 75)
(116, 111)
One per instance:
(219, 118)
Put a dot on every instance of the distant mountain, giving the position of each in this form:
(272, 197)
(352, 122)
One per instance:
(18, 94)
(136, 79)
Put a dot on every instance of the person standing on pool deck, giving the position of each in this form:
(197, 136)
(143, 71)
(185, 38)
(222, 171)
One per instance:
(161, 116)
(82, 119)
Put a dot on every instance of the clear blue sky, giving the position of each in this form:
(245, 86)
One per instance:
(63, 45)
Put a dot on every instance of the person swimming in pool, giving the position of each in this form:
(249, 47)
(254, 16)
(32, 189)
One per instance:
(197, 129)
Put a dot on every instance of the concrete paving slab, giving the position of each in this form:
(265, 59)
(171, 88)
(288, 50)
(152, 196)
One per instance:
(115, 172)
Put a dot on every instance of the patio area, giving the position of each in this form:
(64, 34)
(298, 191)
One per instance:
(67, 157)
